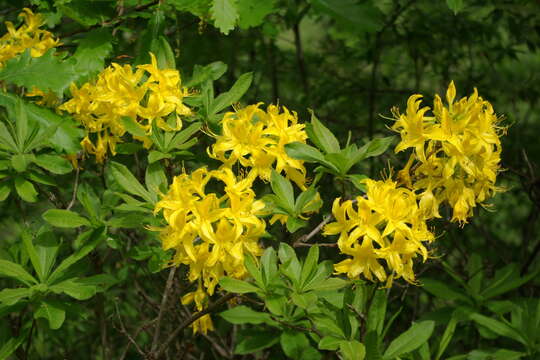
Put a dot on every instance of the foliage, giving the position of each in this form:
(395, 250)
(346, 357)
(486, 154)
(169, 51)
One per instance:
(223, 179)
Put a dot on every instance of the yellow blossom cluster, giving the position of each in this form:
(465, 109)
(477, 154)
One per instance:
(211, 233)
(385, 225)
(256, 139)
(457, 152)
(146, 95)
(27, 36)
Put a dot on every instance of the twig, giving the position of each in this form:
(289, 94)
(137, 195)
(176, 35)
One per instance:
(301, 244)
(162, 307)
(189, 321)
(124, 331)
(74, 196)
(315, 231)
(135, 334)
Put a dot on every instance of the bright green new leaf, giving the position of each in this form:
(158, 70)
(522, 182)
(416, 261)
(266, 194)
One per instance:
(64, 218)
(12, 296)
(234, 94)
(54, 163)
(410, 340)
(322, 136)
(75, 289)
(237, 286)
(51, 311)
(244, 315)
(224, 13)
(25, 189)
(129, 183)
(352, 350)
(283, 189)
(17, 272)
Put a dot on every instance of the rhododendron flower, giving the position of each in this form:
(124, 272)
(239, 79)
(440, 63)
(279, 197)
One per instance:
(27, 36)
(386, 226)
(457, 152)
(120, 92)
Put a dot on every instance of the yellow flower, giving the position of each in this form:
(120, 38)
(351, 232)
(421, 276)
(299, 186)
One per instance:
(27, 36)
(456, 155)
(211, 233)
(385, 226)
(144, 95)
(256, 139)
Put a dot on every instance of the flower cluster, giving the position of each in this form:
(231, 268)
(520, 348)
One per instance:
(456, 154)
(211, 234)
(386, 225)
(27, 36)
(256, 139)
(145, 95)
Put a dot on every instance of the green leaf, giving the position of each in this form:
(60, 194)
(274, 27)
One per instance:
(163, 52)
(155, 178)
(252, 12)
(300, 151)
(283, 189)
(352, 350)
(294, 224)
(32, 254)
(506, 279)
(237, 286)
(201, 74)
(455, 5)
(61, 133)
(269, 267)
(377, 311)
(293, 343)
(128, 182)
(17, 272)
(447, 336)
(12, 296)
(46, 247)
(244, 315)
(155, 155)
(358, 181)
(75, 289)
(305, 198)
(234, 94)
(410, 340)
(375, 147)
(329, 285)
(180, 139)
(89, 200)
(64, 218)
(351, 15)
(54, 163)
(290, 266)
(254, 341)
(129, 221)
(5, 189)
(28, 71)
(6, 140)
(51, 311)
(93, 49)
(22, 123)
(443, 290)
(224, 13)
(310, 264)
(305, 301)
(21, 161)
(253, 270)
(132, 126)
(322, 136)
(498, 327)
(13, 344)
(25, 189)
(372, 342)
(330, 343)
(94, 238)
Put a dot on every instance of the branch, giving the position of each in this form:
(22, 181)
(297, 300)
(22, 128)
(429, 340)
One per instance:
(162, 307)
(189, 321)
(315, 231)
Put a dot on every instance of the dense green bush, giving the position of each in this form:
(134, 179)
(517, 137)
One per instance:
(235, 179)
